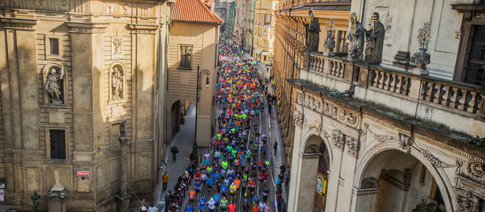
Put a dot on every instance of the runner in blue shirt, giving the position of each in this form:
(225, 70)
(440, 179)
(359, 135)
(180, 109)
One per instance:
(197, 186)
(189, 208)
(202, 203)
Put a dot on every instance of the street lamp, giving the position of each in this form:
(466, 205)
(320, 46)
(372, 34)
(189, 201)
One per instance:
(198, 88)
(35, 200)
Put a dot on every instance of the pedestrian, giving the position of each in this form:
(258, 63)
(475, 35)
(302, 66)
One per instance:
(152, 208)
(287, 178)
(143, 206)
(174, 151)
(168, 200)
(165, 180)
(275, 147)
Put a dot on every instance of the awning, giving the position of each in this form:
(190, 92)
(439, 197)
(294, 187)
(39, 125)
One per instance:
(257, 51)
(264, 53)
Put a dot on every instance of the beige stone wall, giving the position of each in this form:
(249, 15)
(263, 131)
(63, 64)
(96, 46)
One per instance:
(100, 36)
(182, 82)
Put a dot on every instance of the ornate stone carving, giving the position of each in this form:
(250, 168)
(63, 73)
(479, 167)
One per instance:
(467, 202)
(298, 117)
(338, 138)
(356, 38)
(341, 115)
(437, 163)
(476, 171)
(54, 83)
(405, 142)
(117, 82)
(426, 206)
(353, 146)
(315, 125)
(117, 48)
(379, 138)
(422, 57)
(300, 98)
(374, 40)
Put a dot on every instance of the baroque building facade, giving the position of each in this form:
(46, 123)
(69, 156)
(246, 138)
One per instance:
(367, 129)
(82, 84)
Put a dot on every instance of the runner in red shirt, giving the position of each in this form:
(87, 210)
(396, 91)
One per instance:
(232, 207)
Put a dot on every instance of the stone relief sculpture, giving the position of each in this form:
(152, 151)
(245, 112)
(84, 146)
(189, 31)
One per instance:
(405, 142)
(356, 38)
(374, 40)
(298, 117)
(476, 171)
(117, 80)
(313, 31)
(53, 86)
(117, 47)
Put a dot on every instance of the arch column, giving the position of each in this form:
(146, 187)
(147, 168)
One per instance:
(307, 174)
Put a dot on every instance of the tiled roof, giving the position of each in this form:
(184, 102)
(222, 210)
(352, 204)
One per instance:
(193, 11)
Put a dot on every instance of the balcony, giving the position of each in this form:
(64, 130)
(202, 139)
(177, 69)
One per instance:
(458, 106)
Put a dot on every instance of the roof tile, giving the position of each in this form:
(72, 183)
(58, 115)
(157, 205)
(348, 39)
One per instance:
(194, 11)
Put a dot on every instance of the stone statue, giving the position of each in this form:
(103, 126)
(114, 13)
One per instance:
(375, 40)
(53, 86)
(356, 38)
(116, 84)
(313, 31)
(330, 41)
(123, 129)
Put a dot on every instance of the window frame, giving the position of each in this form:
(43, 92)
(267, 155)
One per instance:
(179, 62)
(48, 142)
(47, 45)
(471, 18)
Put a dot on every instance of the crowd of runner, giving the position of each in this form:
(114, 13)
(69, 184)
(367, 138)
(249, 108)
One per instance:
(234, 174)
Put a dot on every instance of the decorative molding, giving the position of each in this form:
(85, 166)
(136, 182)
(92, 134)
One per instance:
(436, 162)
(143, 28)
(353, 146)
(314, 125)
(19, 23)
(379, 138)
(343, 116)
(86, 27)
(467, 202)
(338, 138)
(476, 171)
(369, 182)
(298, 117)
(405, 142)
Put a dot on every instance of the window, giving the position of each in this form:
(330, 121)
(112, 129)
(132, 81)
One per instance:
(185, 56)
(58, 144)
(475, 65)
(54, 46)
(341, 46)
(267, 19)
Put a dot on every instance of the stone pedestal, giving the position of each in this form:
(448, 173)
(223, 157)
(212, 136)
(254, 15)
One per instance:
(123, 202)
(328, 53)
(420, 71)
(56, 200)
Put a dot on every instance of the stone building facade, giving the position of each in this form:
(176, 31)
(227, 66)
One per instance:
(72, 72)
(194, 40)
(264, 30)
(368, 131)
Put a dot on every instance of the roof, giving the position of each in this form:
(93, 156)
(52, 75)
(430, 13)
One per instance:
(194, 11)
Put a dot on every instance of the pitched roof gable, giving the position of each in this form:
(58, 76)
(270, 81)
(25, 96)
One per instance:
(194, 11)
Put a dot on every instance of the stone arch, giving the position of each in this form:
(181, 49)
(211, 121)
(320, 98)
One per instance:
(371, 168)
(307, 138)
(61, 80)
(117, 82)
(177, 114)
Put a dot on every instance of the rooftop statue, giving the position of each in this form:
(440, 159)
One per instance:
(375, 41)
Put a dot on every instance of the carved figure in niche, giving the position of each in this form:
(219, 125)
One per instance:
(123, 129)
(375, 40)
(313, 31)
(116, 84)
(53, 86)
(356, 38)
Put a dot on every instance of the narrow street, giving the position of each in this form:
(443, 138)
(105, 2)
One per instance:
(250, 139)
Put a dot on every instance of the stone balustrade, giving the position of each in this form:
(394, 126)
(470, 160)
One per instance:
(422, 97)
